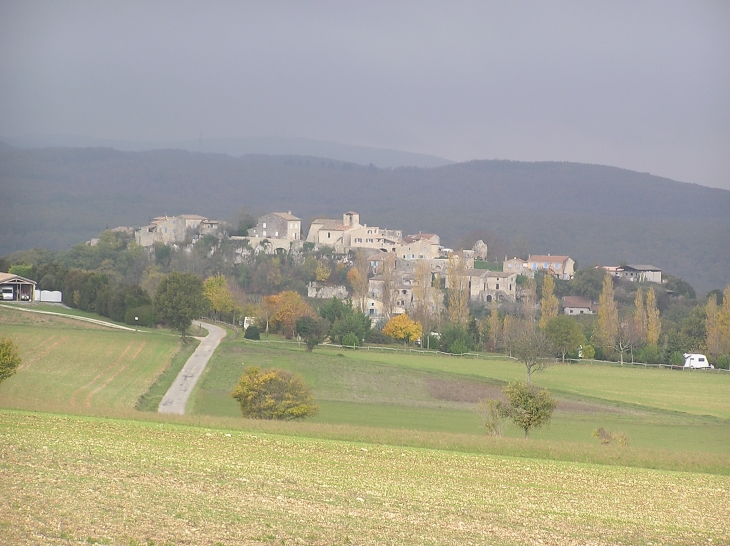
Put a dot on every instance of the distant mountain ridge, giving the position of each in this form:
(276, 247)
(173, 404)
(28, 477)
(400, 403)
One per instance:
(596, 214)
(363, 155)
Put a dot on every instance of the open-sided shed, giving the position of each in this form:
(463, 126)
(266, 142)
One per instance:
(16, 288)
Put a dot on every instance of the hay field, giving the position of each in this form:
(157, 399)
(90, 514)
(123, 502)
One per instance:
(73, 479)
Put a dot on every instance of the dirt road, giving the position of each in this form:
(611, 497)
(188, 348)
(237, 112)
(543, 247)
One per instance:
(177, 396)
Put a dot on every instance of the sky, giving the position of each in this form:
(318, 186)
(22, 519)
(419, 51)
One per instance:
(640, 85)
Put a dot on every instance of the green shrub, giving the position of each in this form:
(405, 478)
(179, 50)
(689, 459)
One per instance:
(723, 362)
(459, 347)
(378, 337)
(651, 355)
(145, 316)
(252, 332)
(676, 359)
(350, 340)
(588, 352)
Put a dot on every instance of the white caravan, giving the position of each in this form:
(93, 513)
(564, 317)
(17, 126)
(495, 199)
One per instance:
(694, 360)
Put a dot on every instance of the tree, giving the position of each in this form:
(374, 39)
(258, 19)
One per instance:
(455, 339)
(549, 303)
(528, 406)
(358, 277)
(458, 294)
(274, 394)
(403, 327)
(608, 324)
(509, 332)
(565, 334)
(532, 347)
(288, 307)
(344, 319)
(216, 290)
(717, 325)
(588, 352)
(388, 278)
(323, 272)
(493, 414)
(9, 358)
(425, 305)
(495, 327)
(587, 282)
(640, 318)
(179, 300)
(653, 322)
(314, 330)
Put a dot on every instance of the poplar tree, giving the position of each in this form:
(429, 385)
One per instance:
(423, 298)
(549, 303)
(653, 322)
(458, 290)
(717, 325)
(608, 325)
(640, 319)
(495, 327)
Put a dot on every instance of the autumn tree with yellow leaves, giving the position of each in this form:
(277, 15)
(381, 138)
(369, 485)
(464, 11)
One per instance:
(717, 325)
(402, 327)
(608, 324)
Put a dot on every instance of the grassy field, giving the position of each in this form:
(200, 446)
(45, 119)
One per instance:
(437, 393)
(78, 367)
(62, 478)
(396, 456)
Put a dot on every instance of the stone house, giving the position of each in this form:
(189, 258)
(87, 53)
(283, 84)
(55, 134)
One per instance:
(385, 240)
(162, 229)
(487, 286)
(420, 246)
(336, 233)
(277, 225)
(560, 267)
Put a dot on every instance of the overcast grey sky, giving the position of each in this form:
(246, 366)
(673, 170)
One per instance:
(639, 85)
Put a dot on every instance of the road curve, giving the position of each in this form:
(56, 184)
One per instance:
(177, 396)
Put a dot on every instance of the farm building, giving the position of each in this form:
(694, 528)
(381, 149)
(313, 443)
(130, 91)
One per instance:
(16, 288)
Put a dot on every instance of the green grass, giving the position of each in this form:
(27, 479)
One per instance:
(73, 366)
(165, 484)
(391, 390)
(696, 392)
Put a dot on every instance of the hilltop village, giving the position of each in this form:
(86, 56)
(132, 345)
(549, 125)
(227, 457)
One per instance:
(393, 260)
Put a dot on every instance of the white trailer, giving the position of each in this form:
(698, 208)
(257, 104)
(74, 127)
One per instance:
(696, 360)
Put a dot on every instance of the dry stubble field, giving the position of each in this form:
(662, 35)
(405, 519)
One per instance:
(74, 479)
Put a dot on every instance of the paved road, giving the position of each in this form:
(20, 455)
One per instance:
(178, 394)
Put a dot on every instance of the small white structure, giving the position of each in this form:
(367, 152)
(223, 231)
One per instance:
(695, 360)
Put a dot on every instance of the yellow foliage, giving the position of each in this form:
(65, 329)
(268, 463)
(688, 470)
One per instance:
(402, 327)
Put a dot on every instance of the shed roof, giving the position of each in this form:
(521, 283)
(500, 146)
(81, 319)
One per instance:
(9, 278)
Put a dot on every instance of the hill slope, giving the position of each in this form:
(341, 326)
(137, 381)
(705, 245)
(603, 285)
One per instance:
(56, 197)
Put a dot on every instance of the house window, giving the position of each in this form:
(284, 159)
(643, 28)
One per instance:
(534, 267)
(328, 234)
(545, 265)
(497, 286)
(264, 225)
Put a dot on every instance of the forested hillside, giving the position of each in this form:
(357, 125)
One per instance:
(57, 197)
